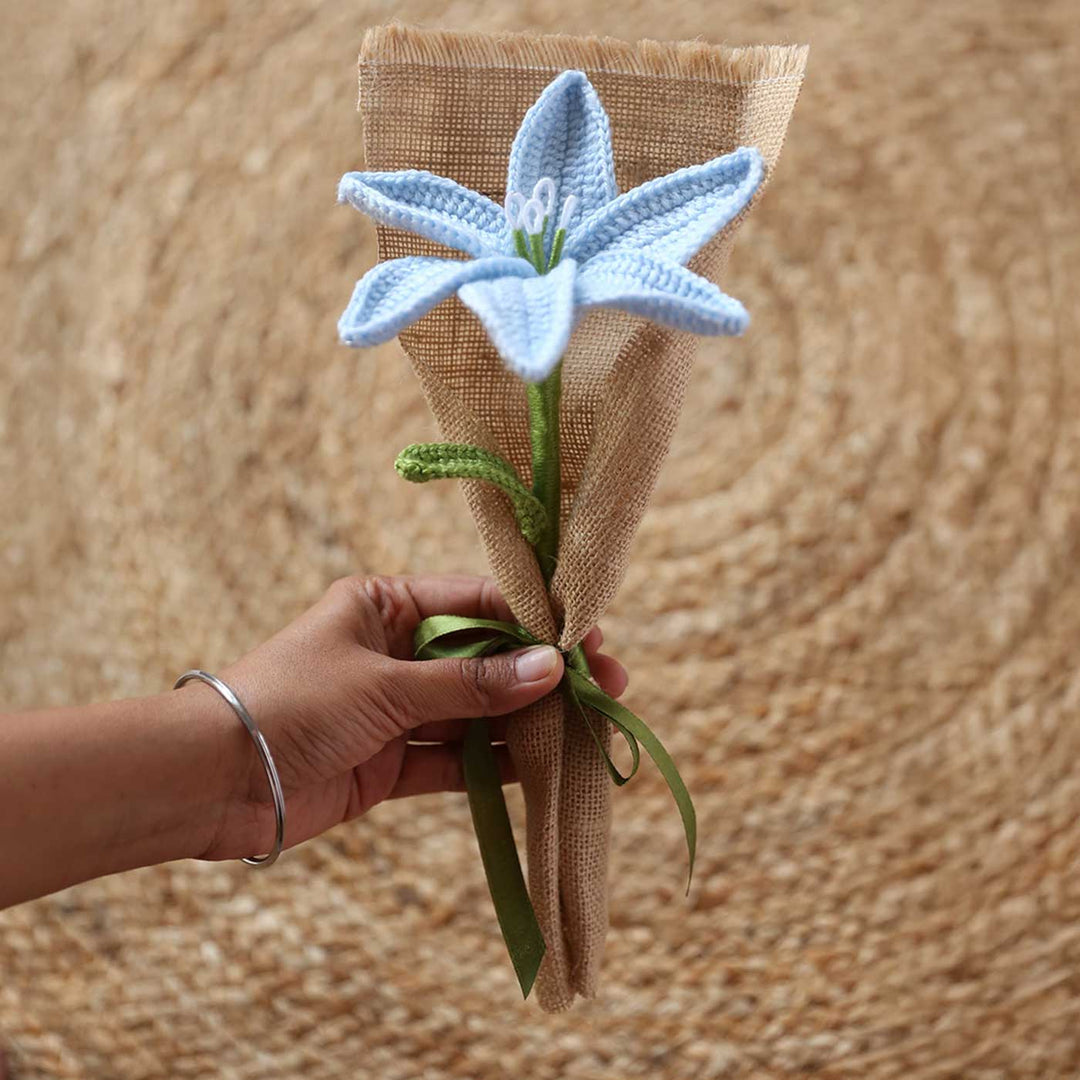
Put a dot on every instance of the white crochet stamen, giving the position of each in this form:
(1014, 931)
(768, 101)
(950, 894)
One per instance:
(515, 203)
(567, 212)
(545, 192)
(532, 217)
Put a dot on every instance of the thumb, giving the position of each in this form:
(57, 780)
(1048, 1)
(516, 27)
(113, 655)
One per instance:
(456, 689)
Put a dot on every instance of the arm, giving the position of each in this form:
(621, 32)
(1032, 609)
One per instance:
(89, 791)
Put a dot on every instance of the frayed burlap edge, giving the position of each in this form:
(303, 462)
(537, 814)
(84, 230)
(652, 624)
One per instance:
(401, 44)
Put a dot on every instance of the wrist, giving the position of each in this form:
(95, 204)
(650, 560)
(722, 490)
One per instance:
(177, 758)
(226, 791)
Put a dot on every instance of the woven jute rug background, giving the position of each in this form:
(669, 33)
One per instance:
(853, 610)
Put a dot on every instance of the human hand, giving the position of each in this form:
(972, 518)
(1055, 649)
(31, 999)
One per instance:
(342, 705)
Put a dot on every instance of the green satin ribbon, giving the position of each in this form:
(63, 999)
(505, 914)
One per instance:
(443, 636)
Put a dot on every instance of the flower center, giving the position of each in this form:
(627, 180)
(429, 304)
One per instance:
(528, 219)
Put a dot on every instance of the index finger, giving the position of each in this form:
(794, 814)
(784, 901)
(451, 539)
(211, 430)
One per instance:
(457, 594)
(404, 602)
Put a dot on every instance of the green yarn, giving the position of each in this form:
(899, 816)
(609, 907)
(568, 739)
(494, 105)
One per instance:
(521, 246)
(461, 461)
(556, 248)
(539, 259)
(544, 398)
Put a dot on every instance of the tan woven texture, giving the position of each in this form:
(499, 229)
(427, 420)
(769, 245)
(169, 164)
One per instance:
(452, 104)
(852, 609)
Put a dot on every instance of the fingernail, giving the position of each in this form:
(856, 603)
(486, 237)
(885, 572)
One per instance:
(535, 664)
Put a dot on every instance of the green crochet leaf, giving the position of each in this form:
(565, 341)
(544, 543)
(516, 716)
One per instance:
(460, 461)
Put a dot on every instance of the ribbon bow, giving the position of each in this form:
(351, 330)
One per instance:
(443, 636)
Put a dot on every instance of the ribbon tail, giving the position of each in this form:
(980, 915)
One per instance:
(617, 778)
(634, 727)
(438, 637)
(513, 908)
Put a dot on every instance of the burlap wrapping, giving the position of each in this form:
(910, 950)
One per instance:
(451, 103)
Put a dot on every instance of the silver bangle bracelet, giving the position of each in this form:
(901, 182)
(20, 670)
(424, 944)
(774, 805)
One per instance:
(264, 756)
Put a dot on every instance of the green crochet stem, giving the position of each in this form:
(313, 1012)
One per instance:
(442, 461)
(544, 400)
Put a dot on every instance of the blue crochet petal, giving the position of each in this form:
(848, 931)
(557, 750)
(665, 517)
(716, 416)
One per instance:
(662, 291)
(430, 206)
(529, 319)
(673, 216)
(566, 135)
(394, 294)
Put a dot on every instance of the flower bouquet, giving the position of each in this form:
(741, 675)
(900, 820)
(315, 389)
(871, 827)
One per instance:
(552, 215)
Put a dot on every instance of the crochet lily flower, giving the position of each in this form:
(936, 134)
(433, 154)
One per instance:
(531, 274)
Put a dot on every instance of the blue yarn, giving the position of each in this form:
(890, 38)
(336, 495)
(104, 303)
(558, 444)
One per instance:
(396, 293)
(430, 206)
(566, 135)
(661, 291)
(622, 251)
(529, 320)
(674, 216)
